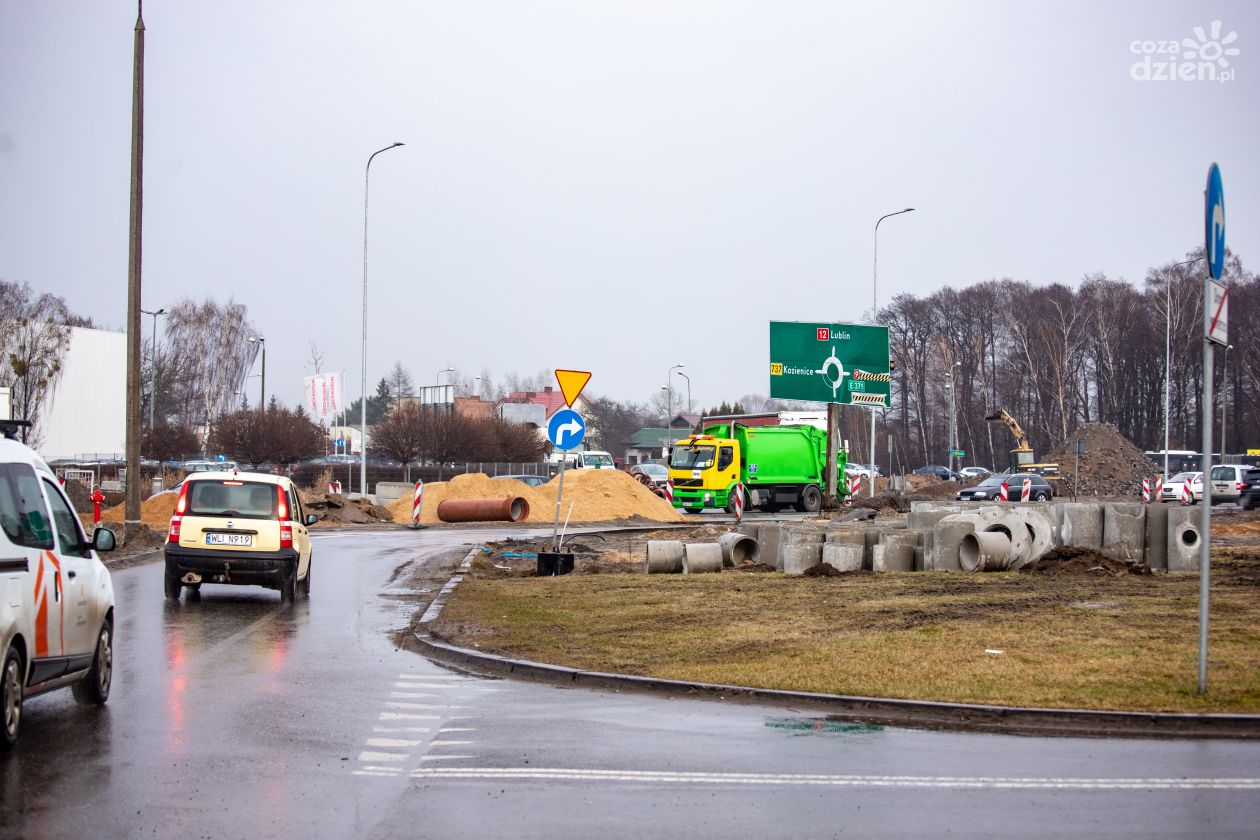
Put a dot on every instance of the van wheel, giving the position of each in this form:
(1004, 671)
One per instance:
(11, 698)
(93, 690)
(811, 500)
(173, 586)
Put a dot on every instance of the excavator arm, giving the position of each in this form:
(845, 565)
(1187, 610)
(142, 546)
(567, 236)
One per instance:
(1020, 438)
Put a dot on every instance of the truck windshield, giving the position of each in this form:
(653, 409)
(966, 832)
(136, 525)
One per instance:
(692, 457)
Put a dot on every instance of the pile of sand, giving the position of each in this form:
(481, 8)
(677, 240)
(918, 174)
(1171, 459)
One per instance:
(1237, 529)
(155, 511)
(595, 496)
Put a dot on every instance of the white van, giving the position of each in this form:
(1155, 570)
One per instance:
(590, 459)
(56, 597)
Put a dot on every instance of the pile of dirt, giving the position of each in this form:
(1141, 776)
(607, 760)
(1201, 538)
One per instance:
(80, 495)
(155, 511)
(1109, 466)
(1075, 560)
(595, 496)
(1237, 529)
(336, 509)
(823, 570)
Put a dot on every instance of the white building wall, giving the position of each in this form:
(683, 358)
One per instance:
(86, 414)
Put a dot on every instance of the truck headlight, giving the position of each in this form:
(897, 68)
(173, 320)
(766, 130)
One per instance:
(708, 497)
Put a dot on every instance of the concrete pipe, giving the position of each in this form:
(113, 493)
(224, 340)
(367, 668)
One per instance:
(1124, 530)
(797, 557)
(947, 537)
(1081, 524)
(854, 537)
(985, 551)
(844, 557)
(738, 548)
(1183, 539)
(893, 557)
(770, 538)
(701, 558)
(510, 509)
(664, 557)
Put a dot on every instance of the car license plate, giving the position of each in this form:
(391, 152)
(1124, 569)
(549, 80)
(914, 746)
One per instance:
(228, 539)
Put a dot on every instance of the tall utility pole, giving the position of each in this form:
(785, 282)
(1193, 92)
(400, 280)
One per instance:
(875, 320)
(131, 510)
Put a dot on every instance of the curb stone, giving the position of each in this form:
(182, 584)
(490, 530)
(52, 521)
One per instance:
(916, 714)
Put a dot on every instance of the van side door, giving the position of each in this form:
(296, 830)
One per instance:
(28, 527)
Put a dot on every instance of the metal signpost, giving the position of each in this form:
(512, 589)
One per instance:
(1215, 331)
(839, 364)
(566, 430)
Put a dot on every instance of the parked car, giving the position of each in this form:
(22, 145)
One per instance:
(207, 466)
(652, 476)
(1173, 486)
(531, 480)
(57, 618)
(969, 473)
(943, 473)
(991, 488)
(1250, 497)
(1228, 482)
(239, 528)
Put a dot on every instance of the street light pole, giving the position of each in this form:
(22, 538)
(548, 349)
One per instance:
(875, 319)
(153, 356)
(262, 384)
(669, 394)
(1168, 349)
(1224, 397)
(437, 379)
(688, 378)
(367, 171)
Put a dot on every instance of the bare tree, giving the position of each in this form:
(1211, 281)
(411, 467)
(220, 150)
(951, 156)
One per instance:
(209, 343)
(34, 335)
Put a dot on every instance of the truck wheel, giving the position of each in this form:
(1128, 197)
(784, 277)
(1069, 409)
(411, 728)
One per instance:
(11, 699)
(811, 500)
(93, 689)
(173, 586)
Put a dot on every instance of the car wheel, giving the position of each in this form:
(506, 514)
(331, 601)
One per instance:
(1040, 497)
(304, 586)
(811, 499)
(93, 690)
(173, 586)
(288, 587)
(11, 698)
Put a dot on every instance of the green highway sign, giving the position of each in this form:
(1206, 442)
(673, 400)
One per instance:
(960, 453)
(839, 363)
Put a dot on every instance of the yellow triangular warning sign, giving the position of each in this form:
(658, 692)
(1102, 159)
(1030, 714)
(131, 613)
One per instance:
(571, 383)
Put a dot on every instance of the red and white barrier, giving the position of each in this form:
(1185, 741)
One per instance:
(334, 486)
(669, 490)
(739, 502)
(1025, 492)
(1146, 490)
(416, 501)
(1186, 497)
(1159, 488)
(1006, 492)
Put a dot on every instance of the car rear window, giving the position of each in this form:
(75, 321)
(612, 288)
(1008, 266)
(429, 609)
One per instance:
(1222, 473)
(248, 499)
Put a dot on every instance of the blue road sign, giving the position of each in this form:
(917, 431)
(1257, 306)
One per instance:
(1214, 223)
(566, 429)
(340, 443)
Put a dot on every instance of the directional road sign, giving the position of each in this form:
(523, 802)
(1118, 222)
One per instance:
(1214, 223)
(566, 429)
(839, 363)
(1217, 327)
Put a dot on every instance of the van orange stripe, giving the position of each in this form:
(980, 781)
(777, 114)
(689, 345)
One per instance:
(62, 603)
(41, 612)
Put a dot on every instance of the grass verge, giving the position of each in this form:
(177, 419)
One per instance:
(1073, 641)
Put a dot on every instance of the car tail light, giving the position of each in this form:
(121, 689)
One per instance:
(283, 504)
(286, 535)
(286, 527)
(1239, 486)
(177, 518)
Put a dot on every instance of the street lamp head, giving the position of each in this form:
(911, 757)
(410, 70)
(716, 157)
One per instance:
(908, 210)
(257, 338)
(397, 143)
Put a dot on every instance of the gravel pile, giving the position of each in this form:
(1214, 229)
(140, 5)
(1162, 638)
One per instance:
(1109, 466)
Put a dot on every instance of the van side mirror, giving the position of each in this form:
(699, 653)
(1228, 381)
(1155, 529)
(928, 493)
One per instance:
(103, 540)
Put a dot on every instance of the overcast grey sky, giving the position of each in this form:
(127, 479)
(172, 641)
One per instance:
(614, 187)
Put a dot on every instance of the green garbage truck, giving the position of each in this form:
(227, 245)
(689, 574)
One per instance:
(779, 466)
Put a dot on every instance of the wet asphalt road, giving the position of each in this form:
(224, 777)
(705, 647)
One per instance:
(237, 717)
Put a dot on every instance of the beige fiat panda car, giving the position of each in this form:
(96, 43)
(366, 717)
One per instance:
(239, 528)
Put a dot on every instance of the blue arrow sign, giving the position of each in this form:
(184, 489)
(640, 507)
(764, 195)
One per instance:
(566, 429)
(1214, 223)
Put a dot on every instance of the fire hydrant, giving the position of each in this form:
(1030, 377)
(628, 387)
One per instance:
(97, 498)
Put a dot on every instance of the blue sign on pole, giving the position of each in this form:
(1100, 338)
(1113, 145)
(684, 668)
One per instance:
(340, 443)
(566, 429)
(1214, 223)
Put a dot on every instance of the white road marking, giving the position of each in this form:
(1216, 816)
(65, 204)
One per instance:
(381, 756)
(402, 729)
(373, 773)
(397, 705)
(449, 743)
(411, 684)
(391, 742)
(996, 783)
(446, 729)
(405, 716)
(412, 694)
